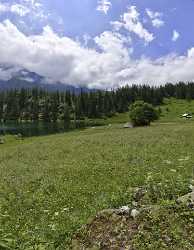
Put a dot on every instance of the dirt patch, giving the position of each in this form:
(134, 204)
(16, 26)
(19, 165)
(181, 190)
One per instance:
(110, 229)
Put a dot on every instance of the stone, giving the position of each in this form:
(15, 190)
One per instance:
(134, 213)
(187, 199)
(128, 125)
(123, 210)
(2, 141)
(139, 194)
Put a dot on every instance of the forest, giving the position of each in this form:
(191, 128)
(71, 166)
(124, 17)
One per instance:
(41, 105)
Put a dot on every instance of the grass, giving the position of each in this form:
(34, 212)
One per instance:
(173, 109)
(116, 119)
(51, 185)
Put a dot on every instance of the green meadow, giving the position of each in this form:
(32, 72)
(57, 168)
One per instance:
(51, 185)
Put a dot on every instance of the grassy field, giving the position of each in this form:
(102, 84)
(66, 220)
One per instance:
(173, 109)
(51, 185)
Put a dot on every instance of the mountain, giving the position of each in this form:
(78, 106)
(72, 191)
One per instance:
(16, 78)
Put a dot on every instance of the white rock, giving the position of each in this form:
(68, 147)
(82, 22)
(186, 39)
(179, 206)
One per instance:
(191, 187)
(124, 209)
(134, 213)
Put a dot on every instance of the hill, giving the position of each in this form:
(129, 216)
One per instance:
(51, 185)
(174, 108)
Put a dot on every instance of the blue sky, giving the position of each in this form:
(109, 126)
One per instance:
(81, 17)
(100, 43)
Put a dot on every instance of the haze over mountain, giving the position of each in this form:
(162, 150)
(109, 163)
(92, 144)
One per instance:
(17, 78)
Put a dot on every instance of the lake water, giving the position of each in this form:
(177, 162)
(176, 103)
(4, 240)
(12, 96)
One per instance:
(31, 128)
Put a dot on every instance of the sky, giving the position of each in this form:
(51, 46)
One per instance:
(98, 43)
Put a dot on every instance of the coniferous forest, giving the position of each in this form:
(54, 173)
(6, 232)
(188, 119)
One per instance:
(41, 105)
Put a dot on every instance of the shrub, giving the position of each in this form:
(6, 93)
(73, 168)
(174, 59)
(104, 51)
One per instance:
(142, 113)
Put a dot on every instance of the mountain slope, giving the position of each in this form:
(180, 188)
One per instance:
(17, 78)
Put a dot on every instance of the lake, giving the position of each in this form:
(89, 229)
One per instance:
(28, 129)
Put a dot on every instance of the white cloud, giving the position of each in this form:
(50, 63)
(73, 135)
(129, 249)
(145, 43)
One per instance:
(3, 7)
(7, 72)
(16, 8)
(130, 21)
(153, 14)
(191, 53)
(86, 39)
(104, 6)
(157, 23)
(19, 9)
(156, 18)
(30, 15)
(175, 36)
(113, 43)
(65, 60)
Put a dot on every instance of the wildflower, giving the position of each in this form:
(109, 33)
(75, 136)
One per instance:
(56, 213)
(184, 159)
(167, 161)
(149, 176)
(65, 209)
(52, 226)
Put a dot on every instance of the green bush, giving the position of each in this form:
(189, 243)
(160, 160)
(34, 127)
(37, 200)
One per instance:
(142, 113)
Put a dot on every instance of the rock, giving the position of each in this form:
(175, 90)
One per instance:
(166, 239)
(19, 136)
(2, 141)
(123, 210)
(128, 125)
(135, 204)
(139, 194)
(134, 213)
(187, 199)
(191, 187)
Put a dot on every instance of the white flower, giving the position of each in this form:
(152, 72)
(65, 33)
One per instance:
(65, 209)
(184, 159)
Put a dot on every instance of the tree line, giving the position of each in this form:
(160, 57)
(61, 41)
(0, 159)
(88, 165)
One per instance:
(41, 105)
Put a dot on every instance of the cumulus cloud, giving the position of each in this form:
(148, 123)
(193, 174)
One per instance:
(63, 59)
(131, 22)
(104, 6)
(175, 36)
(156, 18)
(108, 66)
(171, 68)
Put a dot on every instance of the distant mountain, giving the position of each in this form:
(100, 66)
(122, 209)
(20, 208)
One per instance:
(17, 78)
